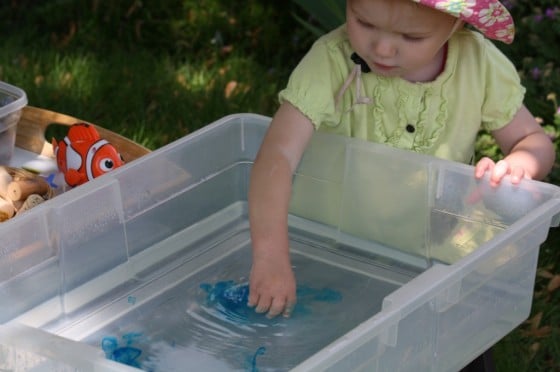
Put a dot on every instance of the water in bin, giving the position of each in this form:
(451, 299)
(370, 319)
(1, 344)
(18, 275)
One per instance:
(203, 323)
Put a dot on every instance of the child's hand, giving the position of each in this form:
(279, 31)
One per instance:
(499, 170)
(272, 287)
(529, 151)
(272, 284)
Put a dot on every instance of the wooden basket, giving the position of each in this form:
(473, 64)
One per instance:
(33, 124)
(30, 136)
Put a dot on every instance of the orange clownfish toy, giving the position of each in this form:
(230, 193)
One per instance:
(83, 155)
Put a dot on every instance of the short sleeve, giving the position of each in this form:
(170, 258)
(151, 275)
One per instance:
(312, 85)
(504, 93)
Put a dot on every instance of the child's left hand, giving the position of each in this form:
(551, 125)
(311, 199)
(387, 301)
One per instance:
(529, 151)
(499, 170)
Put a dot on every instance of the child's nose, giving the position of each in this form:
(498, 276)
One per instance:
(384, 47)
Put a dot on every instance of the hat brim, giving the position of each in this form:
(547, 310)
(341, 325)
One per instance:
(490, 17)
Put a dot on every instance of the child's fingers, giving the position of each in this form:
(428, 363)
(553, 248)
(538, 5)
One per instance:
(290, 305)
(517, 174)
(483, 165)
(253, 298)
(475, 196)
(264, 304)
(500, 170)
(277, 307)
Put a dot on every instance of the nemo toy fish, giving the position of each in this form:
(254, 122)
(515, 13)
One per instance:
(83, 155)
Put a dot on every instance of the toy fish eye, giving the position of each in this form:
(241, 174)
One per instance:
(106, 164)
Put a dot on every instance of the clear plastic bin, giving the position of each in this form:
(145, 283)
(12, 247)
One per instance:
(404, 262)
(12, 100)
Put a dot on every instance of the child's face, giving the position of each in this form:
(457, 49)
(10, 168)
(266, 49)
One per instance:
(398, 37)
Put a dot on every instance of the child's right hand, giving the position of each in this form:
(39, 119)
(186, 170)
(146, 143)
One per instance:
(272, 286)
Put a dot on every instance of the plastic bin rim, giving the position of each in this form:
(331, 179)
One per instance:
(19, 103)
(222, 122)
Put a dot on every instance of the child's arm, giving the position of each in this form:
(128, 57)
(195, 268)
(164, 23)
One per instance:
(529, 151)
(272, 286)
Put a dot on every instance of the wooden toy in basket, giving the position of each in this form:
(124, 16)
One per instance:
(21, 189)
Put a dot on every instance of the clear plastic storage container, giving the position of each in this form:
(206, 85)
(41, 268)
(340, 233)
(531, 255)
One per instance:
(12, 100)
(404, 263)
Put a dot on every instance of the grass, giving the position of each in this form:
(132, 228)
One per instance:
(125, 73)
(535, 345)
(155, 73)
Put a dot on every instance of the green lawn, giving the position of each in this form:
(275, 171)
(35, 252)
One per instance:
(155, 72)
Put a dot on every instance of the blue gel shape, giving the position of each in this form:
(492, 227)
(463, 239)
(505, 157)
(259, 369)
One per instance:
(127, 355)
(233, 297)
(260, 351)
(123, 354)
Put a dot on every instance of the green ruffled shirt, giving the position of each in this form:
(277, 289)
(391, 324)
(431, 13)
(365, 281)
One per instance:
(478, 88)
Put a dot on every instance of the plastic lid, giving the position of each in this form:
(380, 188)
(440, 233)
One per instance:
(11, 99)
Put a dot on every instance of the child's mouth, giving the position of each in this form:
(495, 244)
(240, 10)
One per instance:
(381, 67)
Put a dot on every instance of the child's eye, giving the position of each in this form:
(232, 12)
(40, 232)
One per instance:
(413, 38)
(365, 24)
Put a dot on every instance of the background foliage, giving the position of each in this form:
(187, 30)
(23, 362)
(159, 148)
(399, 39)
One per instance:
(155, 71)
(152, 72)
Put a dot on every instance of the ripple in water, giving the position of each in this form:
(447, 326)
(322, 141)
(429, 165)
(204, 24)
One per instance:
(229, 300)
(222, 326)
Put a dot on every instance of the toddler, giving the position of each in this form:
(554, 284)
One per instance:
(405, 73)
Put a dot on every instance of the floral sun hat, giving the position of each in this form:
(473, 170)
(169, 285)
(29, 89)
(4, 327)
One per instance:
(488, 16)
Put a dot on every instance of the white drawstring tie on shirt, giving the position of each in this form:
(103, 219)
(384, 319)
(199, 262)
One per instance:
(356, 76)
